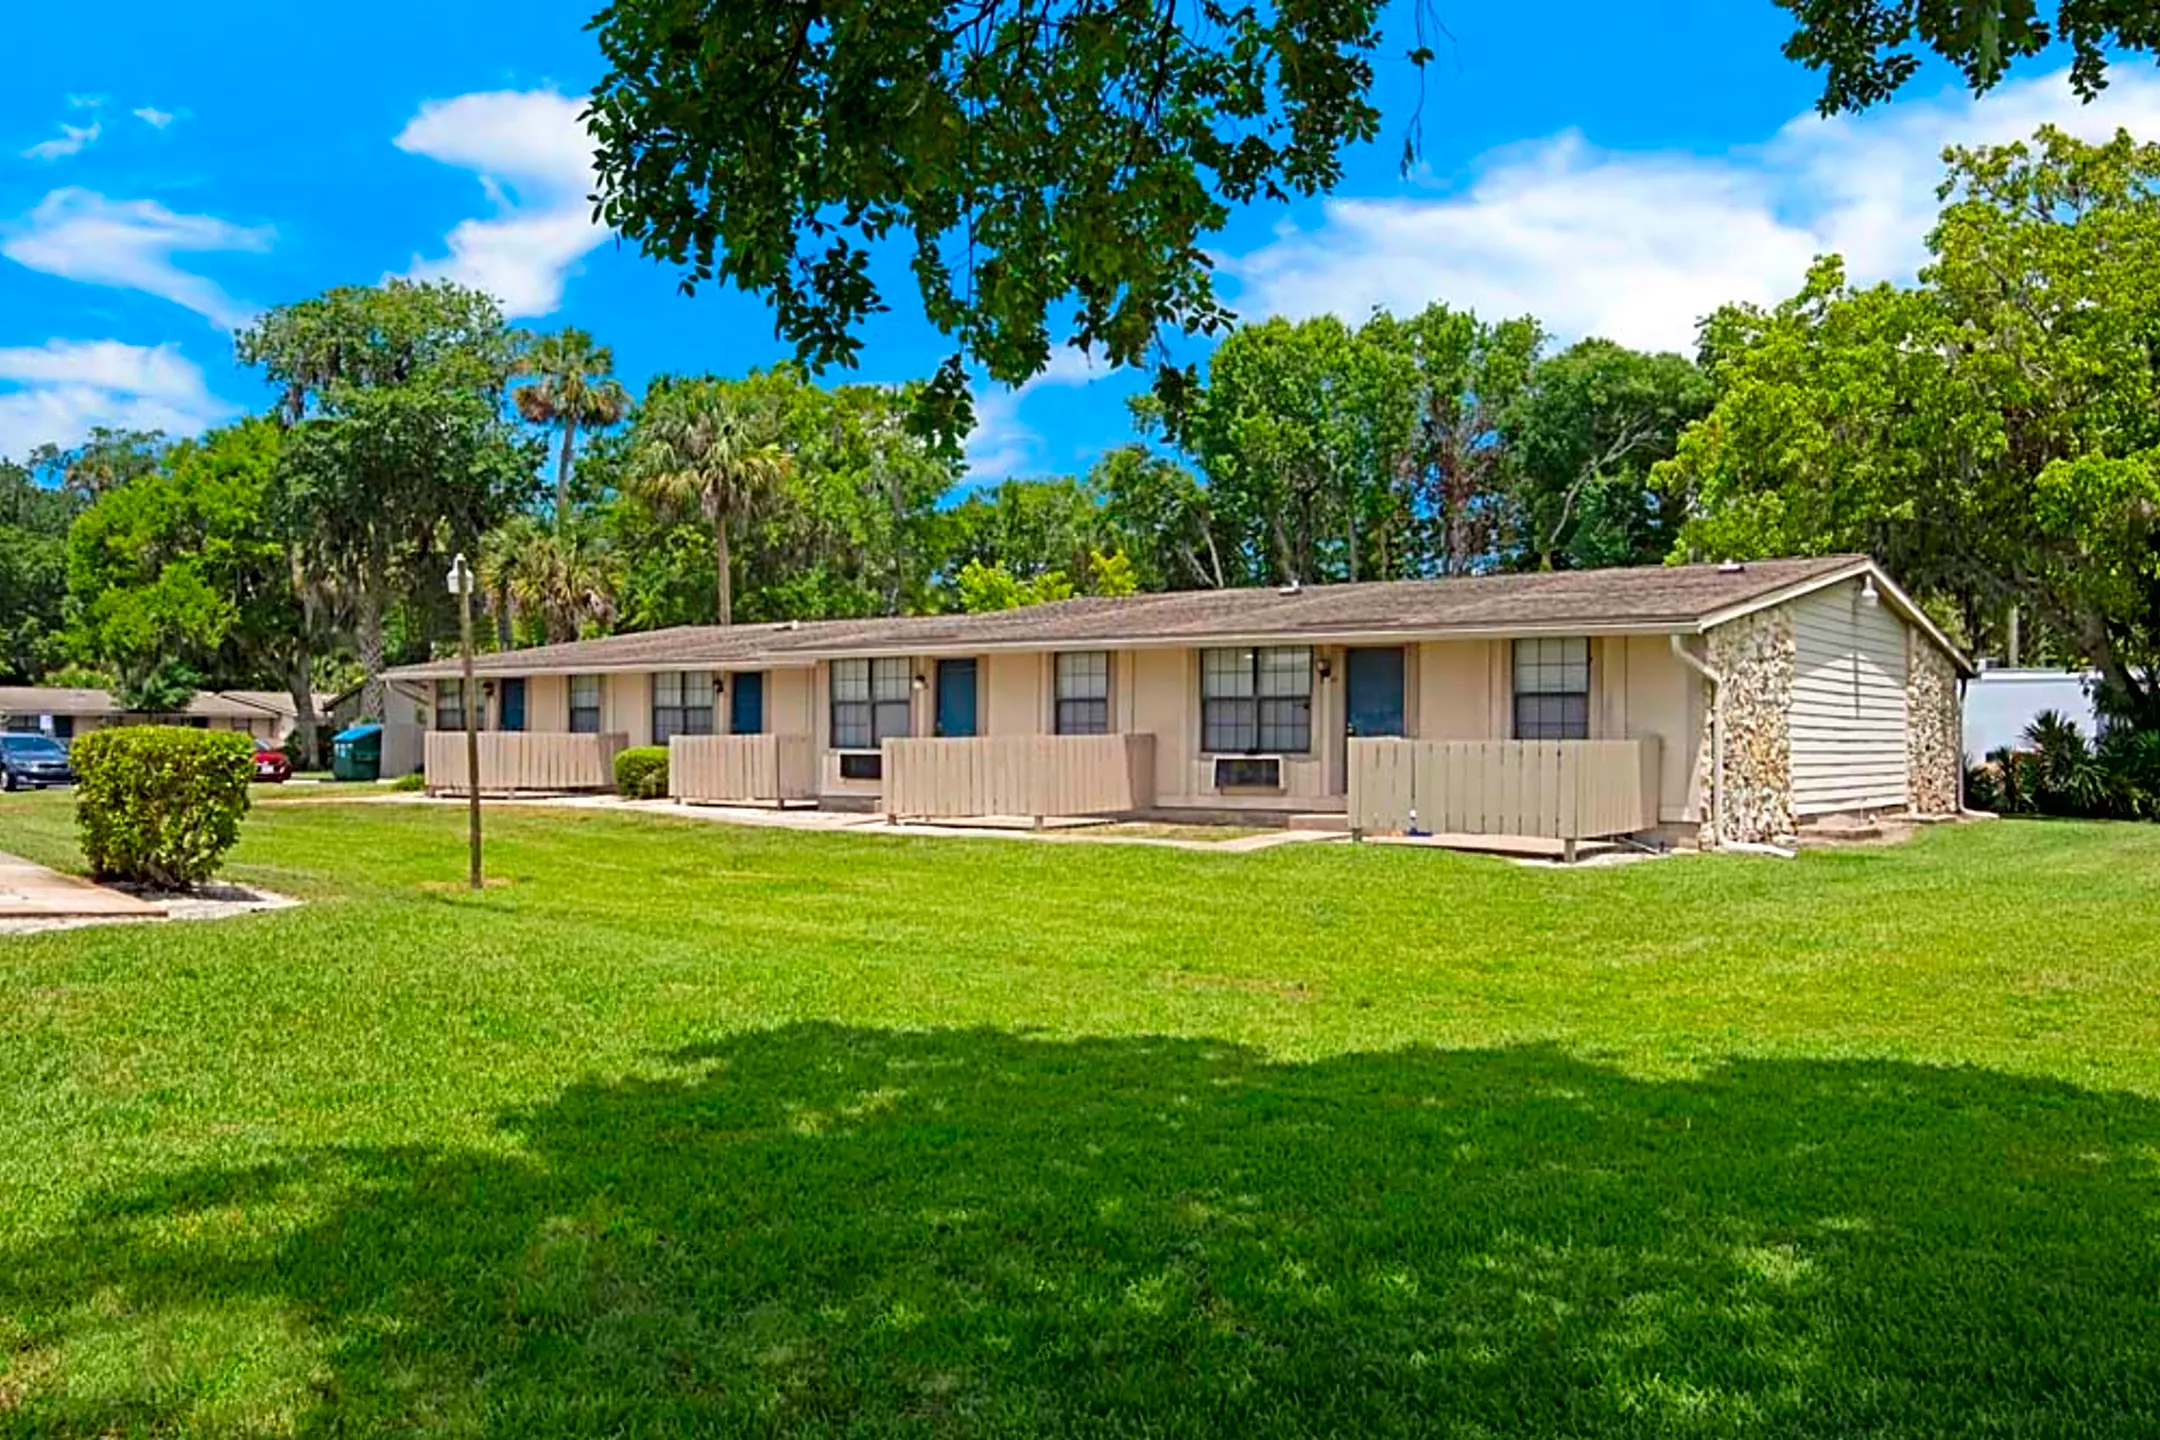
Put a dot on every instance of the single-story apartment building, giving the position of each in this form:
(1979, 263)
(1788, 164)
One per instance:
(1707, 703)
(65, 712)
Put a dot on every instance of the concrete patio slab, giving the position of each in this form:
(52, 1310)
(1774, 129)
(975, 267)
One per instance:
(33, 892)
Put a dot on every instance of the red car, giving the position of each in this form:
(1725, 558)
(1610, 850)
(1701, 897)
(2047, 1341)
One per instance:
(272, 765)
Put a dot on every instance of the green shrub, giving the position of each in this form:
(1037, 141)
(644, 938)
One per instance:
(641, 773)
(414, 781)
(160, 804)
(1984, 786)
(2057, 771)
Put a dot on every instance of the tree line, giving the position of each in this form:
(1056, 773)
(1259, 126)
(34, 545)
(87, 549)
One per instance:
(1988, 432)
(305, 546)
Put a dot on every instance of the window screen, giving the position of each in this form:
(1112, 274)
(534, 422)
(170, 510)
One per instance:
(1552, 689)
(585, 704)
(682, 704)
(1256, 700)
(1083, 693)
(870, 702)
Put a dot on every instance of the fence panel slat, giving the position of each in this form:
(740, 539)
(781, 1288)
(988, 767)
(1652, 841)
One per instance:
(515, 761)
(1551, 789)
(741, 769)
(1024, 776)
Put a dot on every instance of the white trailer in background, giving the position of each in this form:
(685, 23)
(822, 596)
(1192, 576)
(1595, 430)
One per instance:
(2000, 703)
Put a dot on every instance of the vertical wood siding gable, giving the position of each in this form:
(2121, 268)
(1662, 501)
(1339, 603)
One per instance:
(1848, 708)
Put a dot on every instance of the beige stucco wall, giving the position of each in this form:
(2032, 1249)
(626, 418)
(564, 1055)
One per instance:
(723, 703)
(791, 701)
(547, 703)
(1460, 690)
(1010, 693)
(626, 707)
(1164, 701)
(1657, 696)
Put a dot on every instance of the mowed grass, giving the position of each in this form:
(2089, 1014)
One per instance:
(700, 1130)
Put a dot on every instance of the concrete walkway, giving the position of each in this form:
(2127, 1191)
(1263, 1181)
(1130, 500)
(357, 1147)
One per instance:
(1067, 832)
(33, 892)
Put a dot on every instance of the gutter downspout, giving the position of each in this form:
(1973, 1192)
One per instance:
(1717, 730)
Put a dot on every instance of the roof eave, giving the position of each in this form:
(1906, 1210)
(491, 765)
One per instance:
(809, 656)
(1230, 639)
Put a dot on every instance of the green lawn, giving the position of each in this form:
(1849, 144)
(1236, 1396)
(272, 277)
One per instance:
(697, 1130)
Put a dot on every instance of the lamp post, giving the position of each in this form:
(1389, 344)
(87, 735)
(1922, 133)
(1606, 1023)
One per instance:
(461, 585)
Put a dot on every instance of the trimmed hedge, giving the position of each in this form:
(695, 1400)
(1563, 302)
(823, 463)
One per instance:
(160, 804)
(641, 773)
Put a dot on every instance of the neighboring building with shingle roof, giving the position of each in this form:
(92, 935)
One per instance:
(67, 712)
(1808, 677)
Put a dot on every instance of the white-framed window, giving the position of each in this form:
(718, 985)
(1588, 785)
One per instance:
(1083, 692)
(870, 702)
(1256, 701)
(585, 704)
(682, 704)
(1552, 688)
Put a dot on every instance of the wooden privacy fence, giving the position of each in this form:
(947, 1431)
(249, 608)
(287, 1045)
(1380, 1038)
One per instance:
(514, 760)
(1033, 776)
(1556, 789)
(742, 769)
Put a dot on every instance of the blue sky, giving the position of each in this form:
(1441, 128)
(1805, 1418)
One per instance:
(167, 170)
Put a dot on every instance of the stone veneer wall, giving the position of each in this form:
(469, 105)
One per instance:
(1934, 729)
(1755, 655)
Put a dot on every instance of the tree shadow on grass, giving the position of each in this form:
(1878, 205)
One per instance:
(822, 1230)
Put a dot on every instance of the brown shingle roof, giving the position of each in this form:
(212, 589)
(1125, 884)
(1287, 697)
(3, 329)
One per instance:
(1644, 598)
(277, 702)
(61, 700)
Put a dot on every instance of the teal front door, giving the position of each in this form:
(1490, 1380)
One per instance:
(746, 703)
(956, 699)
(512, 709)
(1374, 704)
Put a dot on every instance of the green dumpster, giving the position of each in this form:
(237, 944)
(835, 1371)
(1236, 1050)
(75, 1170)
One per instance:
(356, 753)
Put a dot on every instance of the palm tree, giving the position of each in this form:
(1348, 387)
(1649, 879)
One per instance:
(696, 455)
(504, 553)
(572, 393)
(563, 580)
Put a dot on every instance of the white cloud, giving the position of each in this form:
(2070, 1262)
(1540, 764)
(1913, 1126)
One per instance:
(155, 118)
(85, 102)
(129, 244)
(1639, 246)
(57, 391)
(535, 164)
(1002, 444)
(74, 139)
